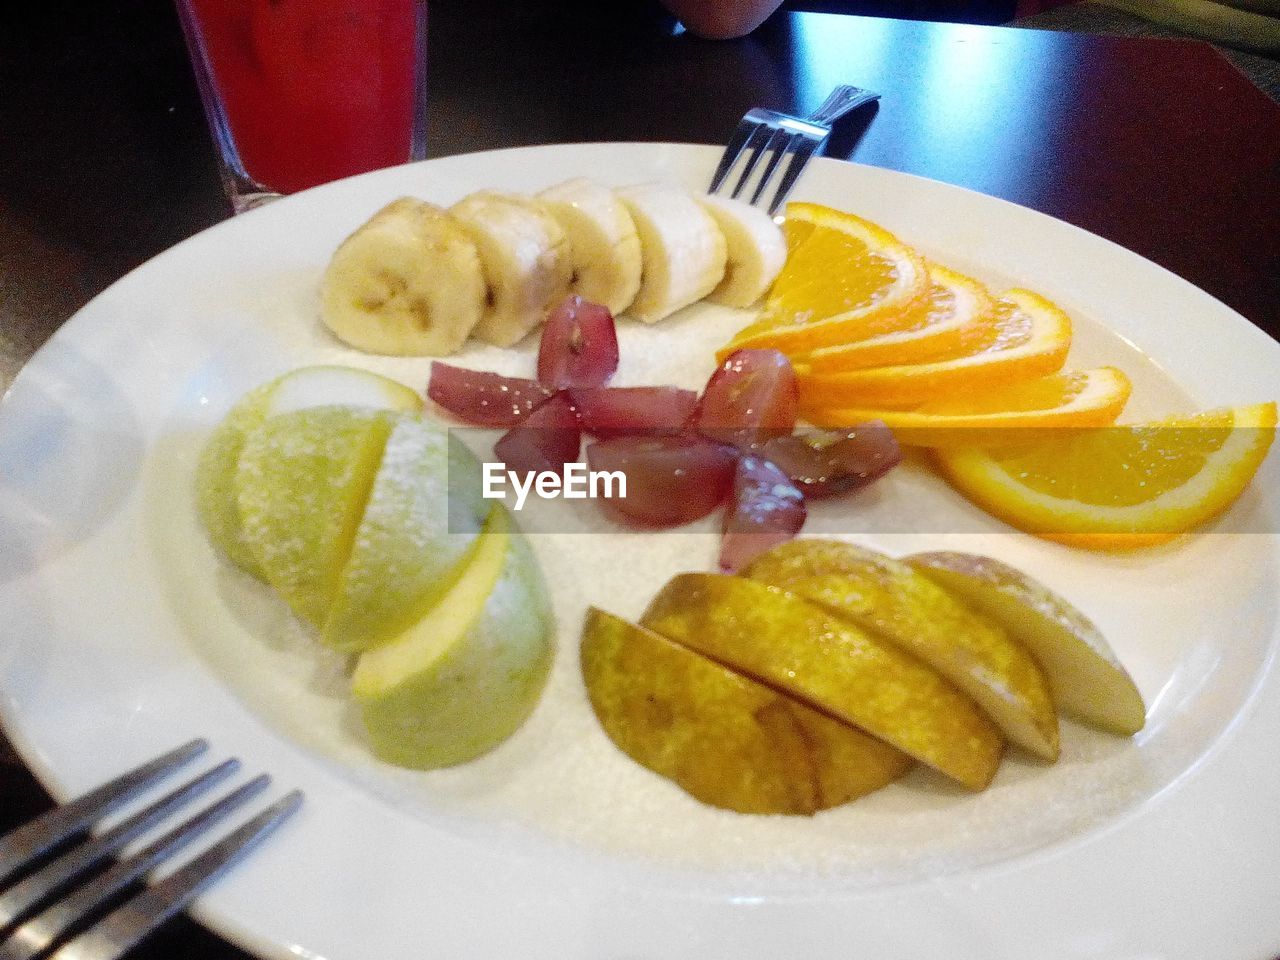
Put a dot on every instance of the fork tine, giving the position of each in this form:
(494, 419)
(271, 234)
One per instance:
(127, 925)
(41, 931)
(22, 898)
(799, 159)
(29, 841)
(758, 144)
(780, 150)
(730, 156)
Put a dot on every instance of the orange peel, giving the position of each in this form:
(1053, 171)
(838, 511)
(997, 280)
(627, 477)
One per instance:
(1031, 340)
(1120, 487)
(954, 319)
(1085, 398)
(845, 277)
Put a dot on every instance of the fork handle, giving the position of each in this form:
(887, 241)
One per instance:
(842, 100)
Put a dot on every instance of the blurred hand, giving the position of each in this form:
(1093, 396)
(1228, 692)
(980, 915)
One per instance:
(721, 19)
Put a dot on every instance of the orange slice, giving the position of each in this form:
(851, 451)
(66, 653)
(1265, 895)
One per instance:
(952, 320)
(796, 227)
(844, 277)
(1089, 398)
(1120, 487)
(1031, 340)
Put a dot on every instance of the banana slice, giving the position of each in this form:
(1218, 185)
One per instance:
(604, 250)
(408, 282)
(681, 249)
(526, 262)
(755, 250)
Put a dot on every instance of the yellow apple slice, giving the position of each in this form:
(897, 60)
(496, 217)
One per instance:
(424, 514)
(1086, 679)
(799, 648)
(465, 677)
(891, 599)
(301, 485)
(295, 390)
(725, 739)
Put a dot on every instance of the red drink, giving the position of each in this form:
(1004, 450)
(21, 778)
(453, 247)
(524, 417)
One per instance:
(311, 90)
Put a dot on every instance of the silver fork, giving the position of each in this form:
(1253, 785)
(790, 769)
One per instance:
(68, 901)
(779, 135)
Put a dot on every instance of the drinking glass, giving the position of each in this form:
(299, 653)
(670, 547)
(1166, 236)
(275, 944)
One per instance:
(301, 92)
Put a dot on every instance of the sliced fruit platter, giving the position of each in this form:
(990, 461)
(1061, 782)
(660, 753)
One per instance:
(870, 581)
(823, 656)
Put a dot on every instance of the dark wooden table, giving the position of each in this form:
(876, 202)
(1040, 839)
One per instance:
(1161, 146)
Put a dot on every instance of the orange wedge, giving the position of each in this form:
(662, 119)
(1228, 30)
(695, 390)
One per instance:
(953, 319)
(1088, 398)
(1031, 340)
(1119, 487)
(845, 277)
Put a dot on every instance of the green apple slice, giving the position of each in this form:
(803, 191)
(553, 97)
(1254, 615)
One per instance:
(296, 390)
(326, 386)
(1086, 679)
(423, 516)
(216, 478)
(302, 482)
(465, 677)
(893, 600)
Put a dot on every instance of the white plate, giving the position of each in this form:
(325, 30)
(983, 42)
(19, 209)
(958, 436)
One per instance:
(124, 634)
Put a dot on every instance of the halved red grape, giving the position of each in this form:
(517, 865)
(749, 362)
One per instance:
(749, 398)
(765, 509)
(669, 480)
(579, 346)
(621, 411)
(827, 463)
(547, 439)
(483, 398)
